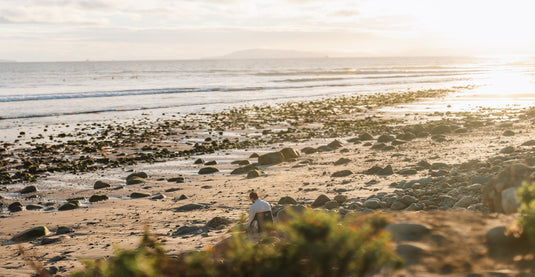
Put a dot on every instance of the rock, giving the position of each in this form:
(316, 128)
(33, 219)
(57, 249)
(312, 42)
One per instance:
(385, 138)
(179, 179)
(407, 171)
(501, 244)
(15, 207)
(507, 150)
(398, 142)
(182, 197)
(287, 200)
(407, 200)
(211, 163)
(335, 144)
(331, 205)
(31, 234)
(189, 230)
(424, 164)
(254, 174)
(409, 253)
(189, 207)
(136, 195)
(288, 212)
(309, 150)
(241, 162)
(407, 136)
(71, 205)
(101, 185)
(290, 153)
(98, 197)
(386, 171)
(511, 176)
(378, 145)
(28, 189)
(32, 207)
(439, 138)
(510, 202)
(528, 143)
(134, 180)
(415, 207)
(320, 201)
(64, 230)
(47, 240)
(354, 140)
(374, 169)
(398, 205)
(441, 129)
(208, 170)
(408, 231)
(342, 161)
(340, 198)
(365, 136)
(271, 158)
(465, 202)
(158, 196)
(342, 173)
(218, 221)
(244, 169)
(508, 133)
(372, 203)
(199, 161)
(138, 174)
(480, 179)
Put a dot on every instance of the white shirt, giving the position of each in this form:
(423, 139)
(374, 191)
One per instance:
(258, 206)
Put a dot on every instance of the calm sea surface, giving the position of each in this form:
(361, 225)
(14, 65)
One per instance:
(50, 91)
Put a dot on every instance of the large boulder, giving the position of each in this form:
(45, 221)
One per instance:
(31, 233)
(510, 202)
(510, 177)
(290, 153)
(271, 158)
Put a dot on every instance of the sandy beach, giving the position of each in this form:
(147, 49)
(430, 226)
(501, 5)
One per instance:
(418, 167)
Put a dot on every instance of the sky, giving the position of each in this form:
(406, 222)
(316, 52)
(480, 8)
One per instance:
(74, 30)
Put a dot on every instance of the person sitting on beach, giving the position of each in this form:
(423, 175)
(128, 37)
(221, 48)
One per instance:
(259, 214)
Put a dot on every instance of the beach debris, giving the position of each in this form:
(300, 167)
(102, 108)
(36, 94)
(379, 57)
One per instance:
(208, 170)
(31, 234)
(101, 185)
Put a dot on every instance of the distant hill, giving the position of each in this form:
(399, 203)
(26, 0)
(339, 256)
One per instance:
(270, 54)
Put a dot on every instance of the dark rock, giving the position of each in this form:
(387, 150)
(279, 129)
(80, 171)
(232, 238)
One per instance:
(340, 198)
(218, 221)
(441, 129)
(101, 185)
(241, 162)
(378, 145)
(244, 169)
(289, 153)
(465, 202)
(398, 142)
(28, 189)
(158, 196)
(398, 205)
(528, 143)
(139, 195)
(331, 205)
(408, 231)
(32, 207)
(320, 201)
(68, 206)
(254, 174)
(98, 197)
(386, 171)
(385, 138)
(138, 174)
(254, 155)
(372, 203)
(31, 234)
(508, 133)
(342, 173)
(182, 197)
(354, 140)
(179, 179)
(365, 136)
(374, 169)
(287, 200)
(15, 207)
(407, 199)
(342, 161)
(335, 144)
(407, 171)
(48, 240)
(504, 245)
(134, 180)
(409, 253)
(424, 164)
(507, 150)
(406, 136)
(309, 150)
(271, 158)
(439, 138)
(64, 230)
(189, 230)
(211, 163)
(189, 207)
(199, 161)
(288, 212)
(208, 170)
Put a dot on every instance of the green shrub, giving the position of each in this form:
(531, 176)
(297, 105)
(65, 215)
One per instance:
(311, 244)
(526, 195)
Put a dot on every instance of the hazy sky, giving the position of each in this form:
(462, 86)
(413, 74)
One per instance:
(47, 30)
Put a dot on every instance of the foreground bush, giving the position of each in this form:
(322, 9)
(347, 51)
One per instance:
(312, 244)
(526, 195)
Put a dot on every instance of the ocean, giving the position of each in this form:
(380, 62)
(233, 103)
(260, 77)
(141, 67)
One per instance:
(56, 92)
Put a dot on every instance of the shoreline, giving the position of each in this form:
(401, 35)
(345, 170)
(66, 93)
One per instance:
(99, 226)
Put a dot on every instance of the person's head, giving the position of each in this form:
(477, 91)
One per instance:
(253, 196)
